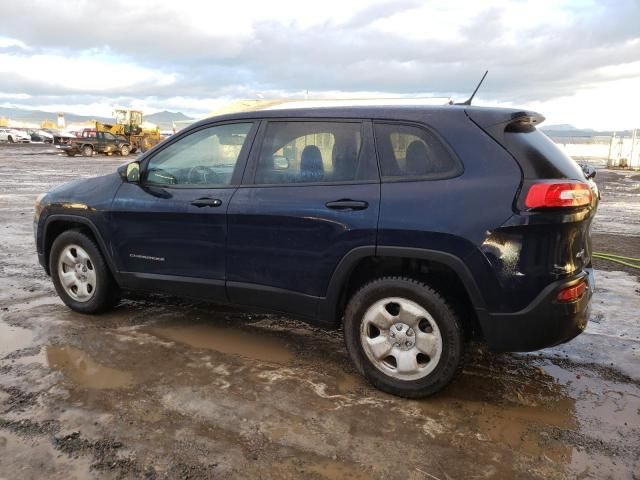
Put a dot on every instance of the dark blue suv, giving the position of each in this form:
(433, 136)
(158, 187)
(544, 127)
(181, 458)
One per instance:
(415, 228)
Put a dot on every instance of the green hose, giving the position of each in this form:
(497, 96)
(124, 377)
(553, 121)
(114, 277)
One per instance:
(617, 256)
(617, 259)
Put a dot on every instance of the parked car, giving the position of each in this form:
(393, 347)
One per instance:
(413, 228)
(12, 135)
(92, 142)
(40, 136)
(61, 137)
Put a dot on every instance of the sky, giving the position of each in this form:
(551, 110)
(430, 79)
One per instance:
(574, 61)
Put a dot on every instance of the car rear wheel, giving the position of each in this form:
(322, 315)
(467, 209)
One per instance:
(80, 274)
(403, 337)
(10, 139)
(87, 150)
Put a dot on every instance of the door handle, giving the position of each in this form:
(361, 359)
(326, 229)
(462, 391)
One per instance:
(206, 202)
(347, 204)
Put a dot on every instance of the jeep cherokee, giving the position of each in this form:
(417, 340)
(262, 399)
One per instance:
(413, 228)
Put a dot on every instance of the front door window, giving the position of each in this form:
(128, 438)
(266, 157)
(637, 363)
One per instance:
(206, 157)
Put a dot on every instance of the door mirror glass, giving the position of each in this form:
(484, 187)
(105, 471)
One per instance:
(280, 162)
(133, 172)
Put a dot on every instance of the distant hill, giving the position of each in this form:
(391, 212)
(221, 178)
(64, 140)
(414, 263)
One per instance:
(559, 127)
(163, 119)
(38, 116)
(566, 130)
(166, 117)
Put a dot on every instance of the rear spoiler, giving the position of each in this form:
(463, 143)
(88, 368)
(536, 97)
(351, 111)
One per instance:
(496, 122)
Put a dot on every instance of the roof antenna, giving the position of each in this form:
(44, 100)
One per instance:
(468, 101)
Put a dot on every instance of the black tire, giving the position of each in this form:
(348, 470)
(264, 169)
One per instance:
(10, 139)
(452, 353)
(71, 154)
(124, 150)
(87, 150)
(106, 293)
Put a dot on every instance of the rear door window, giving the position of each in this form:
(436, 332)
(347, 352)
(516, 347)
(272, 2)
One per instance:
(313, 152)
(411, 152)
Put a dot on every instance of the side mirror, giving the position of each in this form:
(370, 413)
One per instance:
(130, 172)
(588, 170)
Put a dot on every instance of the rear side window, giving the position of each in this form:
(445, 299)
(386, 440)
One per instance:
(311, 152)
(407, 151)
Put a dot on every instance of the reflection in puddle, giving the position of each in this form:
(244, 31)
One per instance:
(349, 383)
(259, 345)
(507, 400)
(84, 371)
(13, 338)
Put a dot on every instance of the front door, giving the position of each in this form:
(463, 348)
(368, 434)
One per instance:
(169, 231)
(311, 194)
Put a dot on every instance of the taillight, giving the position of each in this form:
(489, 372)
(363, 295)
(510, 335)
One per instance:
(570, 294)
(558, 194)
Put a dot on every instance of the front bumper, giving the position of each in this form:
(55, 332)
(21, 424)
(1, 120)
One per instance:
(69, 148)
(544, 323)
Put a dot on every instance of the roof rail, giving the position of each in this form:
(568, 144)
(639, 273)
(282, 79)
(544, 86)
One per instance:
(250, 105)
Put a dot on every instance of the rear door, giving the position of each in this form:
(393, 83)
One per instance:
(170, 230)
(311, 194)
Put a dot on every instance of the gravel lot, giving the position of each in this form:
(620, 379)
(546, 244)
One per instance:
(168, 388)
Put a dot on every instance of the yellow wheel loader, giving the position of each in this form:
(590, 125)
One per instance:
(129, 124)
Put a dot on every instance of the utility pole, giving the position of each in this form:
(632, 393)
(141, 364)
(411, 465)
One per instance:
(633, 144)
(611, 142)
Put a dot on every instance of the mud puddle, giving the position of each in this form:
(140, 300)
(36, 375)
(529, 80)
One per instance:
(259, 345)
(82, 370)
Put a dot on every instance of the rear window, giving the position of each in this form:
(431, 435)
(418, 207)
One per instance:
(539, 157)
(410, 152)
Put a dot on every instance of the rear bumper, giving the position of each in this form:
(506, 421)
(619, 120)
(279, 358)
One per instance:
(544, 323)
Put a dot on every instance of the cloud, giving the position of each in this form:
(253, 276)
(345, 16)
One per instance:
(536, 50)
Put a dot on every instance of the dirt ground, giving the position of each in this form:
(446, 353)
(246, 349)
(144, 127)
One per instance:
(167, 388)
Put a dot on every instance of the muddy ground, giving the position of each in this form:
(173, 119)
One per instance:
(167, 388)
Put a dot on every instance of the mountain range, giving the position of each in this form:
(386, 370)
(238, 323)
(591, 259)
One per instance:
(163, 119)
(566, 130)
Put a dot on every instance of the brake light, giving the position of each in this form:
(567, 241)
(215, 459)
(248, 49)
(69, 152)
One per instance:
(558, 194)
(570, 294)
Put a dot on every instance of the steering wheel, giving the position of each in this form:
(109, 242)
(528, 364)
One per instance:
(202, 175)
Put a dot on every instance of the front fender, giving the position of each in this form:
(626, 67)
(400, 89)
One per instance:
(49, 227)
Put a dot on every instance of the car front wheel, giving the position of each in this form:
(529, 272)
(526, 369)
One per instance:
(80, 274)
(124, 150)
(403, 337)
